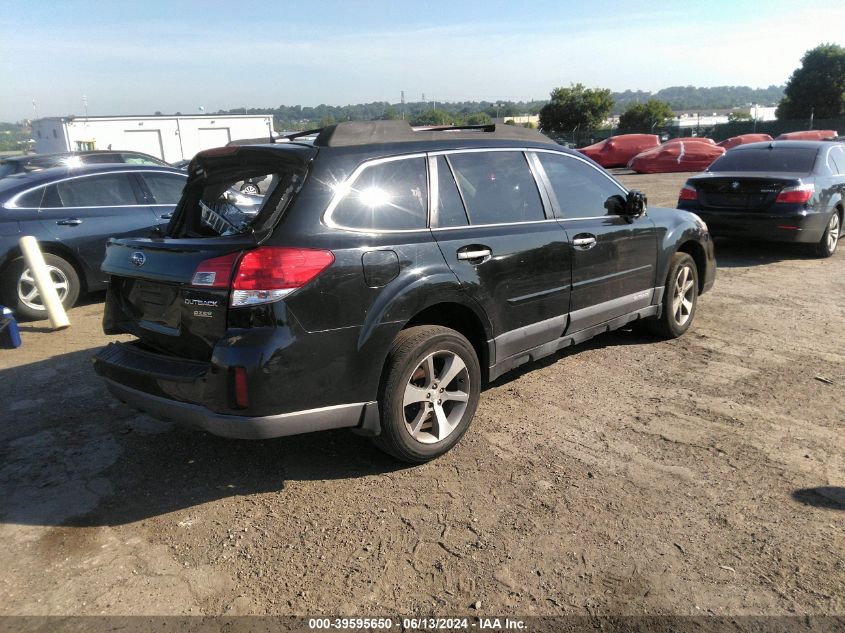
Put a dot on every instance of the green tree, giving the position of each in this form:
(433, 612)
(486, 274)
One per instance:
(640, 117)
(739, 115)
(479, 118)
(432, 117)
(389, 114)
(817, 87)
(575, 107)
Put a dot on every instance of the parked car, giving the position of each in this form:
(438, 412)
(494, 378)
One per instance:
(676, 156)
(781, 191)
(616, 151)
(742, 139)
(35, 162)
(72, 212)
(690, 139)
(809, 135)
(388, 273)
(181, 164)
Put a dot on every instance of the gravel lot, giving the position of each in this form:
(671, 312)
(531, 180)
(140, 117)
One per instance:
(625, 476)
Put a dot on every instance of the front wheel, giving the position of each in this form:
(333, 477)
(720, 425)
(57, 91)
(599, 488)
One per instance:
(429, 393)
(250, 188)
(827, 245)
(680, 298)
(21, 294)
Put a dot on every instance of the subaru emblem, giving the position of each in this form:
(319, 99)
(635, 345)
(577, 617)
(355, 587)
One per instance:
(735, 185)
(138, 258)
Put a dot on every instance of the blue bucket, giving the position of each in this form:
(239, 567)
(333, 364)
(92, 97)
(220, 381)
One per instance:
(10, 336)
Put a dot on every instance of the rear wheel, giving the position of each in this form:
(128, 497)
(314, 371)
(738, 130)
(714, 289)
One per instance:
(680, 298)
(429, 393)
(830, 239)
(21, 294)
(250, 188)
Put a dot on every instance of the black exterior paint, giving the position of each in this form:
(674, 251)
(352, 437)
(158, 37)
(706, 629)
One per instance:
(325, 344)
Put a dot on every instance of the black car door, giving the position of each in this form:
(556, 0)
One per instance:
(613, 259)
(490, 223)
(85, 211)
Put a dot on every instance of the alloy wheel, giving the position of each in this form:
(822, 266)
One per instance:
(436, 396)
(683, 297)
(833, 232)
(28, 291)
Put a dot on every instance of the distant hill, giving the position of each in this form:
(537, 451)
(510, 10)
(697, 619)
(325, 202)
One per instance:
(693, 98)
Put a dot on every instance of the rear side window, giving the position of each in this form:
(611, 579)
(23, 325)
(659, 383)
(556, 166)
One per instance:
(43, 197)
(836, 158)
(166, 188)
(105, 190)
(497, 187)
(450, 207)
(797, 160)
(582, 191)
(389, 196)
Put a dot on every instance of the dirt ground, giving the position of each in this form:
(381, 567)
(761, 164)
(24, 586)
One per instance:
(625, 476)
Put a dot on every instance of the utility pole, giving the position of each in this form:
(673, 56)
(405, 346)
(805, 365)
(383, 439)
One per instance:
(403, 105)
(85, 105)
(34, 107)
(812, 113)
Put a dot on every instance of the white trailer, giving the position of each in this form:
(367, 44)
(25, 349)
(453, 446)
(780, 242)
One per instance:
(170, 138)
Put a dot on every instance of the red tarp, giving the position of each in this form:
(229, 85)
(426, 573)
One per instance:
(742, 139)
(676, 156)
(616, 151)
(691, 139)
(807, 135)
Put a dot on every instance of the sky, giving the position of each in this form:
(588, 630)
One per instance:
(179, 55)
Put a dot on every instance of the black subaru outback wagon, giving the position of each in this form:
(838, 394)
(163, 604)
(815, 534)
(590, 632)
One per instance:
(383, 277)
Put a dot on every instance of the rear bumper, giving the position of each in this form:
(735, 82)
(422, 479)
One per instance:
(184, 391)
(244, 427)
(805, 226)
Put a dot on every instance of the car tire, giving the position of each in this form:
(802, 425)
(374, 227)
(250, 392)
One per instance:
(21, 295)
(250, 188)
(422, 418)
(830, 238)
(680, 299)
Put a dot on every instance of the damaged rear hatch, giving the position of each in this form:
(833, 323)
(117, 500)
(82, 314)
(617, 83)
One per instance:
(173, 291)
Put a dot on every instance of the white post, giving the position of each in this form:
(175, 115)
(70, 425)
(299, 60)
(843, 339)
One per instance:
(49, 297)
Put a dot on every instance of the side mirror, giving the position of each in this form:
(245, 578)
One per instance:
(615, 205)
(635, 205)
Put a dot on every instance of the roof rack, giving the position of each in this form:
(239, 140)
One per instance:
(351, 133)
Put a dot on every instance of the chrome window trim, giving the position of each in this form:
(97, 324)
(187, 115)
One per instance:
(482, 226)
(433, 189)
(344, 188)
(12, 204)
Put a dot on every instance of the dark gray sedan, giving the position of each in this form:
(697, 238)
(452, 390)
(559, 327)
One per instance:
(779, 191)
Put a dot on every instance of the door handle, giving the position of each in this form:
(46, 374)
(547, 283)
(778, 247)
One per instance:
(584, 241)
(166, 216)
(69, 222)
(469, 253)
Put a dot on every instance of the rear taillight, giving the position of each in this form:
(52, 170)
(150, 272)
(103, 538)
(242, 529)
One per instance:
(796, 195)
(269, 273)
(215, 273)
(263, 274)
(688, 192)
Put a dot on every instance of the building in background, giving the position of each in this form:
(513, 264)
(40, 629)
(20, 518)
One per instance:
(170, 138)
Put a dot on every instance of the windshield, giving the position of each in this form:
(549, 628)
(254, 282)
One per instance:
(777, 159)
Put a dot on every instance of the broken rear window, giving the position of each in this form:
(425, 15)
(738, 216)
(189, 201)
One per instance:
(229, 196)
